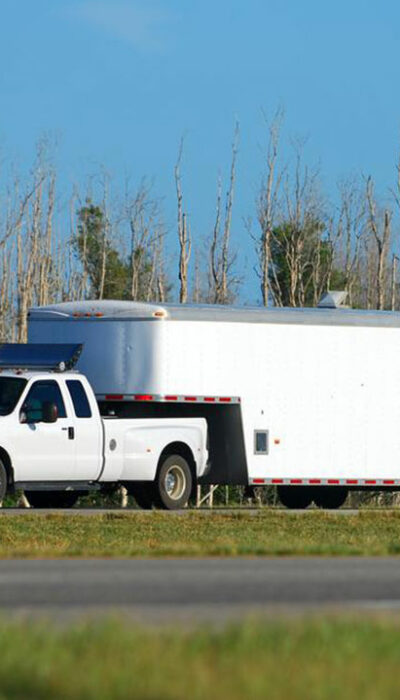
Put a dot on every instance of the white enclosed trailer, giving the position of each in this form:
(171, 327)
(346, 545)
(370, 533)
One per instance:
(304, 398)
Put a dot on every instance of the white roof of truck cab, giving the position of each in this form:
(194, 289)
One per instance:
(113, 310)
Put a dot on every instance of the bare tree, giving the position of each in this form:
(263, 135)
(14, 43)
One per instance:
(393, 284)
(267, 204)
(351, 229)
(381, 234)
(146, 244)
(222, 283)
(296, 241)
(184, 237)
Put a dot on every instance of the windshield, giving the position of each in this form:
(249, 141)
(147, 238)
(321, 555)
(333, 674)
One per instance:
(11, 389)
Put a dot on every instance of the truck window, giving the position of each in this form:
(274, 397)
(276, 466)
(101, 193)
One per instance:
(79, 399)
(44, 391)
(11, 389)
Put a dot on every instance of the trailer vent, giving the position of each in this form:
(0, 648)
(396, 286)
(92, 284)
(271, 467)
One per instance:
(332, 300)
(261, 442)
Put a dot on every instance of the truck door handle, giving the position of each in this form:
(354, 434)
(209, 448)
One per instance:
(71, 432)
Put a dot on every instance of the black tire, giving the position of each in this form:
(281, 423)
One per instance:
(173, 484)
(330, 497)
(295, 496)
(143, 493)
(3, 481)
(52, 499)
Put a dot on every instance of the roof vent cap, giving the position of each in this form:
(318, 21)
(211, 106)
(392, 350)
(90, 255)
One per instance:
(332, 300)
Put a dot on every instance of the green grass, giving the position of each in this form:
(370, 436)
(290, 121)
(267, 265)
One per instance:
(317, 659)
(198, 534)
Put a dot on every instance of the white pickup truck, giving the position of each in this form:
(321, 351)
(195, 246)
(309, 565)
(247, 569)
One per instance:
(55, 445)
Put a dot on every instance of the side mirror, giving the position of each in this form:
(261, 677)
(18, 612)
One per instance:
(49, 412)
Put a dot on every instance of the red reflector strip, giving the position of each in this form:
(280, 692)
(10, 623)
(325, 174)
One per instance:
(333, 482)
(114, 397)
(173, 397)
(258, 481)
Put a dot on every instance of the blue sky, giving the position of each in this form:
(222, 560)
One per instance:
(119, 82)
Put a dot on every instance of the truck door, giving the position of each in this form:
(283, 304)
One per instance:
(45, 451)
(88, 433)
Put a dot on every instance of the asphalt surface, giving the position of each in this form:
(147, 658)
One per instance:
(192, 590)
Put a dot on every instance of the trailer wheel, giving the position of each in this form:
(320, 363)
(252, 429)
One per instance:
(3, 481)
(295, 496)
(173, 484)
(52, 499)
(143, 493)
(330, 497)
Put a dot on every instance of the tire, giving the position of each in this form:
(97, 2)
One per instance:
(3, 481)
(52, 499)
(330, 497)
(173, 484)
(295, 496)
(143, 493)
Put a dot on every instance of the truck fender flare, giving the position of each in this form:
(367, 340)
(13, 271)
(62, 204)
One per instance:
(182, 449)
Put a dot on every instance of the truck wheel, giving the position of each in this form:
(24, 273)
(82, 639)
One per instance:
(173, 484)
(143, 493)
(52, 499)
(330, 497)
(295, 496)
(3, 481)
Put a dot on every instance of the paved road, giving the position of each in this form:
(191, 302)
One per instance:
(197, 589)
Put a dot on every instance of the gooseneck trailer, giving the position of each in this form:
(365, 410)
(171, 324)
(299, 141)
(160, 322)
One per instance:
(304, 399)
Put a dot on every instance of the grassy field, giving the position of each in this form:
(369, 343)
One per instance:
(195, 534)
(299, 660)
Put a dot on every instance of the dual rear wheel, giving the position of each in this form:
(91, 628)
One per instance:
(171, 489)
(330, 497)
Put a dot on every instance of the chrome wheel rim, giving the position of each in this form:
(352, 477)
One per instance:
(175, 482)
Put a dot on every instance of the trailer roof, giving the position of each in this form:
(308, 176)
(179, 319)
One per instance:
(110, 310)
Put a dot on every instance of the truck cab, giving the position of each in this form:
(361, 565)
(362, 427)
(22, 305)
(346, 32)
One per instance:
(52, 426)
(55, 445)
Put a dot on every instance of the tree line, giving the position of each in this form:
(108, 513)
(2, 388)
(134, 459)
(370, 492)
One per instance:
(101, 243)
